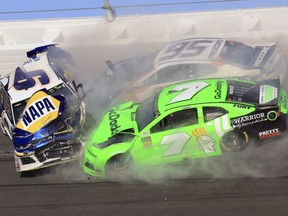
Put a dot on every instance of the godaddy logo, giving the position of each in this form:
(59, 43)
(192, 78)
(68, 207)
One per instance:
(218, 90)
(113, 116)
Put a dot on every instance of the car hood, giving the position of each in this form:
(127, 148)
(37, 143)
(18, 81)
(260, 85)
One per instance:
(40, 110)
(117, 119)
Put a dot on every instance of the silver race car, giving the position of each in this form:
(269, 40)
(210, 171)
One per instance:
(139, 77)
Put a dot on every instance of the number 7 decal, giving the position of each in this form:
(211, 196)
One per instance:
(177, 142)
(187, 91)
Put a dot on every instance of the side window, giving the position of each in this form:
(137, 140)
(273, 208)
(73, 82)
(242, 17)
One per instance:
(171, 73)
(182, 72)
(211, 113)
(151, 80)
(177, 119)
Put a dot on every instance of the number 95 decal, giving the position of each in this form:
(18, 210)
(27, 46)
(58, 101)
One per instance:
(183, 49)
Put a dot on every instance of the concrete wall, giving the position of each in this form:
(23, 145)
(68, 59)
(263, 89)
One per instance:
(94, 40)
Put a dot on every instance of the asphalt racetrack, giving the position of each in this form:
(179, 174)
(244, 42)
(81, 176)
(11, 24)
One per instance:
(254, 183)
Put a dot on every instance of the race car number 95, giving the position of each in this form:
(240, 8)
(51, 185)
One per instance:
(184, 49)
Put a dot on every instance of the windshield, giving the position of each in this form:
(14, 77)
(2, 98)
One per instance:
(147, 111)
(61, 89)
(179, 72)
(71, 99)
(131, 69)
(238, 54)
(242, 91)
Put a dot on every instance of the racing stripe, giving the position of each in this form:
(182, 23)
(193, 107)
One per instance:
(225, 123)
(222, 125)
(217, 124)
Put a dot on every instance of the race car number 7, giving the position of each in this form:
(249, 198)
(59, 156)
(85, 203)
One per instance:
(177, 142)
(187, 91)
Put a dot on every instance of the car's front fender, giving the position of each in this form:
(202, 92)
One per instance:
(95, 159)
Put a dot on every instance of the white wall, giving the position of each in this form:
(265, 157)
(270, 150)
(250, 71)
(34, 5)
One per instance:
(94, 40)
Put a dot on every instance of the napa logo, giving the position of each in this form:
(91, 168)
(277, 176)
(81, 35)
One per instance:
(39, 111)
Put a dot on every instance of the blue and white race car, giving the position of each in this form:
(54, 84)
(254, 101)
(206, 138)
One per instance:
(42, 111)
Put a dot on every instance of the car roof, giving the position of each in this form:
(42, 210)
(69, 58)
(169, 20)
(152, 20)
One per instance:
(193, 92)
(39, 64)
(206, 48)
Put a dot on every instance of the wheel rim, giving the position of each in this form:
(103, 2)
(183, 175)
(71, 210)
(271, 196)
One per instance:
(235, 141)
(117, 166)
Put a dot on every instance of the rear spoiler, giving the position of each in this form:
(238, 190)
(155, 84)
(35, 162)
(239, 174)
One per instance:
(33, 53)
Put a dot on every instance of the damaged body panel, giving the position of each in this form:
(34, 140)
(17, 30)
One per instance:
(42, 111)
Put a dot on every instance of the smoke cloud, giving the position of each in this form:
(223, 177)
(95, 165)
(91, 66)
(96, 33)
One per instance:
(267, 160)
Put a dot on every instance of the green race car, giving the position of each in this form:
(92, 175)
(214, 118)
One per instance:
(192, 119)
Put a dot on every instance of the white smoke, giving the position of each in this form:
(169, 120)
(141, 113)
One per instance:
(268, 160)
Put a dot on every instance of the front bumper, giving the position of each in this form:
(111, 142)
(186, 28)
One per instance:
(49, 155)
(92, 165)
(95, 159)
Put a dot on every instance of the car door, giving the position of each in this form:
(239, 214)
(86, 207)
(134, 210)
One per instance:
(173, 137)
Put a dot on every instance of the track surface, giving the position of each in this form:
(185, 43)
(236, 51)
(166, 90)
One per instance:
(65, 190)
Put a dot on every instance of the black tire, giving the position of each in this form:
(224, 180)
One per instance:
(234, 141)
(118, 166)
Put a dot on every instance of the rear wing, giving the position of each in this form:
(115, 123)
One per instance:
(33, 53)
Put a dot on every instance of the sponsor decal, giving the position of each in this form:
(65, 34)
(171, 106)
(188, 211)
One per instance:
(146, 133)
(39, 111)
(272, 115)
(241, 106)
(147, 142)
(113, 116)
(269, 133)
(267, 93)
(198, 132)
(218, 90)
(36, 110)
(231, 89)
(206, 142)
(261, 56)
(215, 49)
(248, 120)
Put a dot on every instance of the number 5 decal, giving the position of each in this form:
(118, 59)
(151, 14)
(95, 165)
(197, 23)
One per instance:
(177, 142)
(187, 91)
(29, 79)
